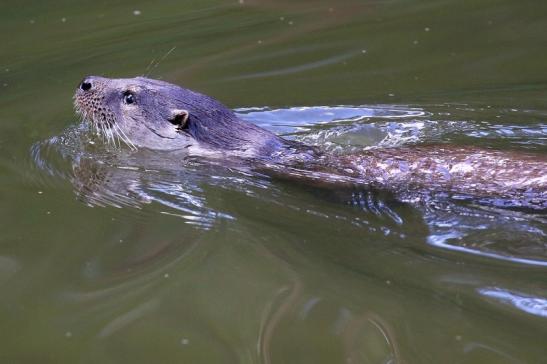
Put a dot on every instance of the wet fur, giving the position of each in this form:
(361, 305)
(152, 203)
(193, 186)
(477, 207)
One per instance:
(211, 126)
(213, 130)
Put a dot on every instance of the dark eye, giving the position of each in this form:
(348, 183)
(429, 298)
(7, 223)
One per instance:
(128, 97)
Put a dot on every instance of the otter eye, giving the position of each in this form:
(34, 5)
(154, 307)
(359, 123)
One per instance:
(128, 97)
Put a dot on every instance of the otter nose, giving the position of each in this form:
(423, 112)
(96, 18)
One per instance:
(86, 84)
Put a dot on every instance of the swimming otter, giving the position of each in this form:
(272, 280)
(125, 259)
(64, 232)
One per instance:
(154, 114)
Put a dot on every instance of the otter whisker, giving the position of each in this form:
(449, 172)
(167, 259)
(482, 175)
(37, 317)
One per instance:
(114, 137)
(118, 135)
(151, 67)
(110, 136)
(104, 134)
(124, 137)
(106, 131)
(96, 128)
(100, 132)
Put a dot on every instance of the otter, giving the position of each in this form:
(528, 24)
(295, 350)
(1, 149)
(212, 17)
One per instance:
(153, 114)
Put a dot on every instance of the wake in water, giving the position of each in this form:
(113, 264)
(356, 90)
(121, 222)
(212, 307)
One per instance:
(189, 188)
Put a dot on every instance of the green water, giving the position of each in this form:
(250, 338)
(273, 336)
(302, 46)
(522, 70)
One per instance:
(194, 264)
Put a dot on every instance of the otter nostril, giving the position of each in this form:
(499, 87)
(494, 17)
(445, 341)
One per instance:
(86, 85)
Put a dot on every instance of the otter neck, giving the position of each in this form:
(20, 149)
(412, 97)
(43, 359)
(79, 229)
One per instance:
(230, 135)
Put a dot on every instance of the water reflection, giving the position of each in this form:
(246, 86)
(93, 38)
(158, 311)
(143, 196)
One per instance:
(185, 267)
(527, 303)
(487, 232)
(192, 263)
(192, 189)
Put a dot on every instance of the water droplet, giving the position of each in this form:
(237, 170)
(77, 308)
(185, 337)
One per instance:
(185, 341)
(427, 29)
(63, 20)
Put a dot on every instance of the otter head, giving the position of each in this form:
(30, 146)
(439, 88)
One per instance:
(158, 115)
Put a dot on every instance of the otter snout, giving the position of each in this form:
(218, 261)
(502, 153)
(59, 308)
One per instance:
(89, 100)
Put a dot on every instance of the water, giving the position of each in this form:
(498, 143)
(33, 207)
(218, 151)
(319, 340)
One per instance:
(114, 256)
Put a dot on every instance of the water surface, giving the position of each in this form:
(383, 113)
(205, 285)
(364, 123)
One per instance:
(118, 256)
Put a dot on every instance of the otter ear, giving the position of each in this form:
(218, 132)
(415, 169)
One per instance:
(179, 118)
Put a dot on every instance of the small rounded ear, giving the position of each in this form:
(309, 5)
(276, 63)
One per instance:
(179, 118)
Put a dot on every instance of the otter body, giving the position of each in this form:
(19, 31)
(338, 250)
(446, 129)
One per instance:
(154, 114)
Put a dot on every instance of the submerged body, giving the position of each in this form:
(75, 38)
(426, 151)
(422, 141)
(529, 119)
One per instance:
(464, 171)
(158, 115)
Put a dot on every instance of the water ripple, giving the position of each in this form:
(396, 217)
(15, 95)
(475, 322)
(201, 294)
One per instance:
(530, 304)
(148, 181)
